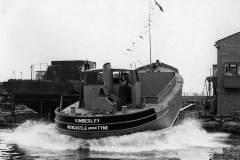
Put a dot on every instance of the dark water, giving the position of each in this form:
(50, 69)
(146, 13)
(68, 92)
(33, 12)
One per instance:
(38, 140)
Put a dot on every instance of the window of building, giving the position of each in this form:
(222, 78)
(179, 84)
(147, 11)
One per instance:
(226, 69)
(238, 70)
(232, 69)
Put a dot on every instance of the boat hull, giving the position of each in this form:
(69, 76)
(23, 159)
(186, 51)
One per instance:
(98, 127)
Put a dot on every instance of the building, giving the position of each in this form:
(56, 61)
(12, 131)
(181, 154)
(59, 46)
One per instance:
(228, 74)
(61, 82)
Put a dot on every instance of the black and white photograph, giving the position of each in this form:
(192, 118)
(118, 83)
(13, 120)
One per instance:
(119, 80)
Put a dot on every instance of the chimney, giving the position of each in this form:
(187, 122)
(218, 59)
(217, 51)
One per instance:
(107, 76)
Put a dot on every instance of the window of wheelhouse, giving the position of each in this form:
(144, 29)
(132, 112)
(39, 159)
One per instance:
(232, 69)
(120, 76)
(136, 78)
(93, 77)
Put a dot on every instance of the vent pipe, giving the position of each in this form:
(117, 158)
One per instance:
(107, 77)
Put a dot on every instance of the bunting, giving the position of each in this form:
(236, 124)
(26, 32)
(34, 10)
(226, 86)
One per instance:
(133, 45)
(159, 6)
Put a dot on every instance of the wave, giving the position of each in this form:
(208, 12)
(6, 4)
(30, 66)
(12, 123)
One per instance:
(186, 135)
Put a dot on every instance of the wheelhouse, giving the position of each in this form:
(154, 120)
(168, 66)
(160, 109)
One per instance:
(121, 87)
(118, 76)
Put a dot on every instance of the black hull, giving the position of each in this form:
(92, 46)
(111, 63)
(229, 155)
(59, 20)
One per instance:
(98, 127)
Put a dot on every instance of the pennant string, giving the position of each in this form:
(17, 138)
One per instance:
(133, 45)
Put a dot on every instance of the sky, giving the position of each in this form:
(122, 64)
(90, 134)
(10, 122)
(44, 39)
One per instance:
(116, 31)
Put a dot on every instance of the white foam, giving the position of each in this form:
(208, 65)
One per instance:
(186, 135)
(43, 135)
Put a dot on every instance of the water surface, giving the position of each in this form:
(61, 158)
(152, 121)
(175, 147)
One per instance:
(39, 140)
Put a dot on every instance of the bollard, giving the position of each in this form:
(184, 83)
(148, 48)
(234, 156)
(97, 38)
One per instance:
(124, 109)
(73, 110)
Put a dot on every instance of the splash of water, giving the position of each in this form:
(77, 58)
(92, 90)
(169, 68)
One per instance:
(43, 135)
(186, 135)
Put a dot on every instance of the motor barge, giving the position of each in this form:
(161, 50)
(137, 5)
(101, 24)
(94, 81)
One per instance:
(116, 102)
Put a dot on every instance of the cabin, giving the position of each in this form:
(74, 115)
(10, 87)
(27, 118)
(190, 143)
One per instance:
(107, 89)
(228, 74)
(111, 89)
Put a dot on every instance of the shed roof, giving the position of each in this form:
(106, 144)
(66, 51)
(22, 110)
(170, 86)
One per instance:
(232, 35)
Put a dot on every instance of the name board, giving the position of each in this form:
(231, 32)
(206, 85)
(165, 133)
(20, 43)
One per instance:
(87, 120)
(87, 128)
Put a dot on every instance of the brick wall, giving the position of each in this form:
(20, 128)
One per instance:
(228, 99)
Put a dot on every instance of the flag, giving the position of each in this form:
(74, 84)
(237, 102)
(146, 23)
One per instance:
(129, 50)
(160, 7)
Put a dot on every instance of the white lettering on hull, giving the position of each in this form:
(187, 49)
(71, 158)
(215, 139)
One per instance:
(87, 128)
(86, 120)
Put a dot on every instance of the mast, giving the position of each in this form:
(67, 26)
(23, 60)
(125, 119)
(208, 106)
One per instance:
(149, 31)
